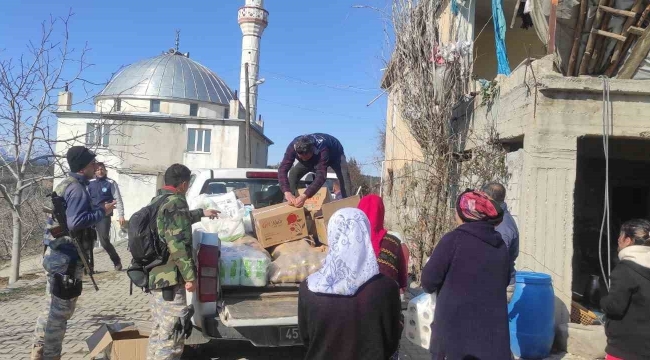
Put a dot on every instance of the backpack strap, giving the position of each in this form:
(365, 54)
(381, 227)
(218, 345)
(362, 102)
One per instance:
(60, 189)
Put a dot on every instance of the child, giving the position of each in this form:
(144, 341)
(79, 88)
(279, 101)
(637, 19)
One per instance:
(628, 303)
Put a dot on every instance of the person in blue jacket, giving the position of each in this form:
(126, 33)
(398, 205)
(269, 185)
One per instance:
(105, 190)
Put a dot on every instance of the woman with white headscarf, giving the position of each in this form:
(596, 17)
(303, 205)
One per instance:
(348, 310)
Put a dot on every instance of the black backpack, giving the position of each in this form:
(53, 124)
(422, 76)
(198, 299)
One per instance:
(145, 245)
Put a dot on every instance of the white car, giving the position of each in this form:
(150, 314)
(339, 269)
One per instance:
(265, 316)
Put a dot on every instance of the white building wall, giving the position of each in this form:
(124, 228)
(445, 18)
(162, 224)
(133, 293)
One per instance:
(137, 189)
(170, 107)
(72, 131)
(224, 150)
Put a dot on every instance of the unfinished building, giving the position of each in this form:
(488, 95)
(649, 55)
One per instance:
(571, 142)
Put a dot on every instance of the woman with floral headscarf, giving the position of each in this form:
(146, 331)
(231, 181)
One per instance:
(348, 309)
(469, 271)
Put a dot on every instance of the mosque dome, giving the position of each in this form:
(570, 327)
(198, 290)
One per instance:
(171, 76)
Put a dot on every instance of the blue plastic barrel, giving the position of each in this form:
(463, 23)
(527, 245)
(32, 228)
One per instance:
(532, 316)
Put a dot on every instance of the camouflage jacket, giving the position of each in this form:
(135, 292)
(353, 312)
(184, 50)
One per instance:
(174, 223)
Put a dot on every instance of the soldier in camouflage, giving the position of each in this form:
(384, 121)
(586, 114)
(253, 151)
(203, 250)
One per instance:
(169, 282)
(61, 260)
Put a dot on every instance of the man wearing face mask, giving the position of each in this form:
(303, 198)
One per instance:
(315, 153)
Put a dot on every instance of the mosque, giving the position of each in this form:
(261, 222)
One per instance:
(171, 109)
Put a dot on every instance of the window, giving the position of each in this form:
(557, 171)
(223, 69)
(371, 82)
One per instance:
(97, 135)
(194, 109)
(198, 140)
(154, 106)
(226, 113)
(118, 104)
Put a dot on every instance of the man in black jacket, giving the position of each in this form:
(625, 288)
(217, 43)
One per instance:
(315, 153)
(628, 303)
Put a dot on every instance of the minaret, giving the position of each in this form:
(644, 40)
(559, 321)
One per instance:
(252, 21)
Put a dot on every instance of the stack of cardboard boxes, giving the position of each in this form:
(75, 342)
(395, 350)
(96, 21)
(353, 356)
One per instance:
(282, 223)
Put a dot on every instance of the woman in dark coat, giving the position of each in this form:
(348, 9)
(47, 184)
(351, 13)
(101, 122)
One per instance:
(348, 310)
(469, 271)
(628, 303)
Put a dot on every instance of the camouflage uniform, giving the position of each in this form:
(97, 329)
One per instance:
(52, 321)
(175, 228)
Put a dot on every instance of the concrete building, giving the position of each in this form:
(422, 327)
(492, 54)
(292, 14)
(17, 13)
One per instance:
(168, 109)
(553, 128)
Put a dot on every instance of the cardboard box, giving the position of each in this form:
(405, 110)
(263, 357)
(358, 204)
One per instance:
(243, 195)
(321, 230)
(330, 208)
(119, 341)
(277, 224)
(315, 203)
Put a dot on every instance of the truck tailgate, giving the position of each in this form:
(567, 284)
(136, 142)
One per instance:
(278, 308)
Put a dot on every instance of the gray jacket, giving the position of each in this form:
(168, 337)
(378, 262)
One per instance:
(510, 234)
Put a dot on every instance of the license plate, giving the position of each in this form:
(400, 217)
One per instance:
(289, 335)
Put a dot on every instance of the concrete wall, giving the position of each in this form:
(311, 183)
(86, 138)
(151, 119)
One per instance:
(137, 189)
(401, 147)
(517, 42)
(515, 165)
(223, 148)
(565, 109)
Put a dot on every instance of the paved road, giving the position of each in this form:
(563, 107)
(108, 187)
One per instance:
(110, 304)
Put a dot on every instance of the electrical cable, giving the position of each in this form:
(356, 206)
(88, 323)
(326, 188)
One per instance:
(607, 114)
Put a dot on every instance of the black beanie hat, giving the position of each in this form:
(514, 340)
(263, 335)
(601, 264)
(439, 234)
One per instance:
(79, 157)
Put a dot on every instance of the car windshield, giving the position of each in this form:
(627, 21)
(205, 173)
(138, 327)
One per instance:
(263, 192)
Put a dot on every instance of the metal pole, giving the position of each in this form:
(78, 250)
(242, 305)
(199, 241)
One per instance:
(248, 117)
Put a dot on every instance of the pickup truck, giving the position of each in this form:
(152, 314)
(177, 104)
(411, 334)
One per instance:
(265, 316)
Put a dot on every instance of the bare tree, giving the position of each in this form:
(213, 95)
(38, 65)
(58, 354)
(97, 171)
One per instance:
(29, 87)
(430, 82)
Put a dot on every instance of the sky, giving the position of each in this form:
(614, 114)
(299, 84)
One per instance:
(322, 61)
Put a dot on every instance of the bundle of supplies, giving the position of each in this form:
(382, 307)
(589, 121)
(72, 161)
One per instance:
(418, 319)
(294, 261)
(230, 223)
(243, 263)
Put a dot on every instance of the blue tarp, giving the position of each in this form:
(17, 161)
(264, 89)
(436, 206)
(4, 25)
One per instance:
(499, 36)
(454, 7)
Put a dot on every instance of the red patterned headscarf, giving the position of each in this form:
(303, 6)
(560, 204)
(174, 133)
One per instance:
(373, 206)
(475, 205)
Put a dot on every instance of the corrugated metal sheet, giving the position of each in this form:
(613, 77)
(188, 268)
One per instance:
(168, 76)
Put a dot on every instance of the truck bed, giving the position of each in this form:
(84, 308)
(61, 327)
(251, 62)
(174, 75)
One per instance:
(266, 306)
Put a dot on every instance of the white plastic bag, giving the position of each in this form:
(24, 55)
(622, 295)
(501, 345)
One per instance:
(227, 204)
(229, 265)
(228, 229)
(418, 319)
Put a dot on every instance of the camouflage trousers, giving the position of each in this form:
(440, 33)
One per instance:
(53, 320)
(163, 344)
